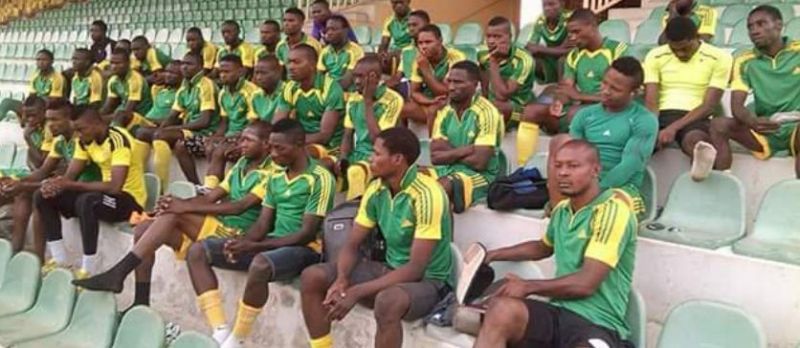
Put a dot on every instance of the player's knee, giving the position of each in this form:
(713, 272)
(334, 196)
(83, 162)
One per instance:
(180, 148)
(722, 125)
(196, 255)
(390, 305)
(260, 269)
(314, 279)
(504, 312)
(38, 199)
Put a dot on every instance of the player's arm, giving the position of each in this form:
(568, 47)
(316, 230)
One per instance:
(74, 168)
(173, 119)
(652, 79)
(651, 95)
(306, 234)
(635, 154)
(443, 153)
(503, 89)
(49, 166)
(711, 99)
(479, 157)
(412, 271)
(347, 143)
(228, 207)
(384, 45)
(739, 110)
(532, 250)
(568, 86)
(35, 154)
(201, 122)
(279, 115)
(109, 106)
(119, 173)
(259, 229)
(418, 97)
(537, 49)
(330, 119)
(434, 85)
(580, 284)
(222, 127)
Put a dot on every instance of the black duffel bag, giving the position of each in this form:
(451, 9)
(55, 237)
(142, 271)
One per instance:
(525, 188)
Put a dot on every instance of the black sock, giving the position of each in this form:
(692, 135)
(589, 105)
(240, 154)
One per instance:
(142, 295)
(111, 280)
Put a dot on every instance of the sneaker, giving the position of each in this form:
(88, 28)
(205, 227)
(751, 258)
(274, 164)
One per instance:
(703, 161)
(232, 342)
(81, 273)
(221, 334)
(50, 266)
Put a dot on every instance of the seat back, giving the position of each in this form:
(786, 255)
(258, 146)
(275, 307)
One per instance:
(5, 256)
(141, 327)
(658, 12)
(458, 263)
(720, 196)
(616, 29)
(363, 34)
(710, 324)
(469, 33)
(777, 211)
(94, 318)
(739, 35)
(153, 186)
(424, 152)
(7, 151)
(182, 189)
(447, 33)
(522, 269)
(792, 29)
(20, 282)
(647, 32)
(525, 34)
(649, 192)
(192, 339)
(636, 318)
(733, 14)
(56, 299)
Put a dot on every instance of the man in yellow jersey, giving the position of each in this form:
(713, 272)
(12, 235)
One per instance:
(339, 57)
(47, 82)
(548, 42)
(87, 81)
(684, 81)
(235, 45)
(293, 20)
(199, 45)
(120, 192)
(128, 97)
(147, 59)
(704, 18)
(269, 36)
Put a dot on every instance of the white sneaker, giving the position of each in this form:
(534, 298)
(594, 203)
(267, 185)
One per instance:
(703, 160)
(232, 342)
(221, 333)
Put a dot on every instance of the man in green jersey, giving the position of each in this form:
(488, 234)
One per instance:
(268, 75)
(47, 82)
(163, 98)
(293, 20)
(592, 235)
(278, 246)
(401, 73)
(771, 71)
(87, 81)
(548, 43)
(704, 18)
(128, 97)
(317, 101)
(147, 59)
(395, 35)
(236, 46)
(507, 70)
(411, 211)
(373, 108)
(339, 56)
(225, 211)
(269, 36)
(584, 68)
(466, 138)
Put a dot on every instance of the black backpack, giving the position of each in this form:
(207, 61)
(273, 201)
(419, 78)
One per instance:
(525, 188)
(336, 229)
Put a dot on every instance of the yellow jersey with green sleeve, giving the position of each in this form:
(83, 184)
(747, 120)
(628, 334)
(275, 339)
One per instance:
(209, 54)
(283, 47)
(87, 89)
(244, 51)
(47, 85)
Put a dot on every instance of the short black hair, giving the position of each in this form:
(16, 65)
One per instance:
(433, 29)
(60, 104)
(231, 22)
(371, 59)
(321, 2)
(583, 15)
(195, 30)
(121, 52)
(680, 29)
(472, 69)
(501, 21)
(770, 10)
(86, 112)
(34, 101)
(309, 51)
(100, 24)
(295, 11)
(631, 68)
(582, 145)
(231, 58)
(401, 141)
(124, 40)
(341, 19)
(261, 128)
(46, 52)
(273, 23)
(422, 14)
(84, 50)
(141, 39)
(270, 58)
(292, 129)
(196, 56)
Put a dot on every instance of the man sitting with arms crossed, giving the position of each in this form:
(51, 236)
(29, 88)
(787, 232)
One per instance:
(128, 97)
(592, 235)
(465, 143)
(225, 211)
(584, 69)
(338, 58)
(374, 108)
(278, 246)
(548, 43)
(112, 199)
(704, 18)
(87, 81)
(411, 211)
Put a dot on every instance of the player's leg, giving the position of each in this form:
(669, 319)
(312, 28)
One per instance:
(50, 210)
(143, 272)
(504, 323)
(690, 137)
(506, 109)
(795, 150)
(145, 134)
(724, 129)
(186, 161)
(405, 301)
(162, 151)
(216, 166)
(358, 175)
(39, 239)
(21, 214)
(93, 207)
(534, 117)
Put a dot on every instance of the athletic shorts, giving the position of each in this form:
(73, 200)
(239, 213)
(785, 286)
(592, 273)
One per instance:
(471, 187)
(194, 144)
(782, 140)
(424, 295)
(552, 326)
(668, 117)
(320, 152)
(212, 228)
(549, 72)
(286, 263)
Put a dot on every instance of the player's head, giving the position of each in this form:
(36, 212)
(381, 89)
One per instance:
(395, 150)
(120, 62)
(462, 81)
(230, 70)
(195, 39)
(683, 7)
(288, 140)
(270, 32)
(582, 28)
(230, 32)
(267, 72)
(124, 44)
(681, 34)
(172, 75)
(254, 141)
(765, 25)
(336, 30)
(621, 83)
(552, 8)
(139, 47)
(98, 30)
(293, 19)
(88, 124)
(58, 117)
(82, 60)
(302, 62)
(367, 67)
(401, 7)
(320, 11)
(33, 111)
(192, 65)
(577, 167)
(416, 20)
(499, 34)
(44, 60)
(429, 41)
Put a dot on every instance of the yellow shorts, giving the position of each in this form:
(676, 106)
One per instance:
(212, 228)
(320, 152)
(357, 171)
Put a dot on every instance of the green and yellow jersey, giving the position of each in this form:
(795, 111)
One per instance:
(265, 105)
(209, 54)
(440, 69)
(704, 17)
(163, 99)
(309, 106)
(386, 108)
(408, 59)
(337, 63)
(586, 68)
(244, 51)
(262, 51)
(517, 67)
(195, 96)
(87, 89)
(283, 48)
(769, 78)
(132, 88)
(64, 149)
(240, 182)
(47, 86)
(551, 37)
(155, 60)
(397, 30)
(236, 106)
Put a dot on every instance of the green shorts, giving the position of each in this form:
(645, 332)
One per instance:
(782, 140)
(549, 71)
(474, 186)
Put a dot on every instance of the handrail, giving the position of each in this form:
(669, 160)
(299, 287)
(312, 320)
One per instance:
(598, 6)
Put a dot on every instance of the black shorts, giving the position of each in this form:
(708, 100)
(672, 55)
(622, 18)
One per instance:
(668, 117)
(195, 145)
(556, 327)
(286, 262)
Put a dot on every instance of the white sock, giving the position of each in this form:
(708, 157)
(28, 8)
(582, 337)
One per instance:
(89, 263)
(232, 342)
(58, 252)
(221, 333)
(703, 160)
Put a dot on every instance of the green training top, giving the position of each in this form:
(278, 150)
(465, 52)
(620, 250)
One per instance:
(65, 149)
(386, 109)
(309, 106)
(238, 183)
(196, 95)
(775, 82)
(518, 67)
(265, 105)
(551, 37)
(236, 107)
(132, 88)
(586, 68)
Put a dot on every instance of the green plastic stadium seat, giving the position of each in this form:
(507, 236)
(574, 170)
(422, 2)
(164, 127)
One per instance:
(759, 2)
(161, 36)
(719, 36)
(771, 238)
(711, 325)
(5, 256)
(647, 32)
(649, 193)
(49, 315)
(192, 339)
(252, 34)
(216, 37)
(363, 34)
(20, 158)
(658, 12)
(447, 33)
(153, 185)
(141, 327)
(522, 269)
(92, 324)
(179, 50)
(164, 48)
(640, 51)
(724, 2)
(616, 29)
(636, 317)
(471, 52)
(20, 283)
(181, 189)
(792, 29)
(787, 10)
(469, 33)
(733, 14)
(525, 35)
(424, 152)
(708, 214)
(458, 263)
(739, 36)
(7, 151)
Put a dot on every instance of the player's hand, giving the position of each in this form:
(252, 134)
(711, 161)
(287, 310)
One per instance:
(556, 108)
(764, 126)
(335, 292)
(370, 85)
(440, 101)
(393, 80)
(422, 61)
(666, 136)
(346, 301)
(234, 248)
(513, 287)
(175, 206)
(9, 187)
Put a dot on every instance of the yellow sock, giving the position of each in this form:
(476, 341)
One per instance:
(210, 303)
(245, 318)
(142, 152)
(527, 141)
(162, 154)
(356, 181)
(322, 342)
(211, 181)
